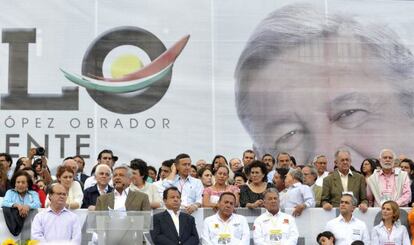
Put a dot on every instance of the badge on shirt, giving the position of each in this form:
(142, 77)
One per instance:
(356, 232)
(275, 235)
(286, 221)
(224, 238)
(216, 226)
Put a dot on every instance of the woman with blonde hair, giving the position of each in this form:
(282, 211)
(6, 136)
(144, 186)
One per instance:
(390, 230)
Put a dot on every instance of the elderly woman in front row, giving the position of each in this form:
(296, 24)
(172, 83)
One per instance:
(296, 195)
(21, 196)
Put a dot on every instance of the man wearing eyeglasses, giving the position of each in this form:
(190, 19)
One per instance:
(56, 223)
(104, 157)
(102, 175)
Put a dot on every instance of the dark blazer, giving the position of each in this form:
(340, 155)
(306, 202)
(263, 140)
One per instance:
(91, 194)
(332, 188)
(164, 232)
(136, 201)
(83, 178)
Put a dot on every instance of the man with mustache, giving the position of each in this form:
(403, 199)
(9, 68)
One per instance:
(389, 183)
(226, 227)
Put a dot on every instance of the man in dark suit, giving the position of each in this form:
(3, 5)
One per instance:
(122, 198)
(103, 175)
(343, 180)
(173, 227)
(81, 165)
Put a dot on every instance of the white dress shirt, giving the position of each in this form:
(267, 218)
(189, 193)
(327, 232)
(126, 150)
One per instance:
(191, 189)
(176, 219)
(319, 180)
(297, 194)
(120, 199)
(344, 179)
(91, 181)
(150, 189)
(398, 235)
(278, 229)
(234, 231)
(347, 232)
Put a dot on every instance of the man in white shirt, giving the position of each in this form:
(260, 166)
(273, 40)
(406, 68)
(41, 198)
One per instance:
(226, 227)
(345, 227)
(321, 163)
(165, 170)
(273, 226)
(297, 195)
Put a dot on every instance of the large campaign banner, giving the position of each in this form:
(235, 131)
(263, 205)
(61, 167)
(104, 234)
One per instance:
(150, 79)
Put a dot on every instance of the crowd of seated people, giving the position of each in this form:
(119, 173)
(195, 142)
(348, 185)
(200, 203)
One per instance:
(387, 181)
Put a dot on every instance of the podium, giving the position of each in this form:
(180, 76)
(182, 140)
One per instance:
(118, 227)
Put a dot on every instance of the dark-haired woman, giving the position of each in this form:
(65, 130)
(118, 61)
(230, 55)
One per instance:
(251, 195)
(21, 196)
(368, 166)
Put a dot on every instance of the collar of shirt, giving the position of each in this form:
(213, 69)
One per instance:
(14, 189)
(271, 215)
(125, 192)
(349, 173)
(178, 178)
(106, 189)
(171, 212)
(49, 209)
(342, 219)
(393, 172)
(221, 220)
(396, 223)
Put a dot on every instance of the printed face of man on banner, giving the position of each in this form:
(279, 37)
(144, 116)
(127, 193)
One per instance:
(308, 84)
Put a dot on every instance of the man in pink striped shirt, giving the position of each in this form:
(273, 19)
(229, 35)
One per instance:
(389, 183)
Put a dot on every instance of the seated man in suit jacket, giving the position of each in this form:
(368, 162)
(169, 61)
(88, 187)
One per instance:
(343, 181)
(185, 231)
(122, 198)
(103, 175)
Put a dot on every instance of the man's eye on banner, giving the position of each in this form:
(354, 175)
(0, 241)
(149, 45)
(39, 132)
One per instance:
(127, 71)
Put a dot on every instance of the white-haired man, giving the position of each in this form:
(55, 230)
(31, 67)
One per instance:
(102, 175)
(389, 183)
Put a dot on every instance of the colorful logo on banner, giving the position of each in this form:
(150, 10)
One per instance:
(128, 74)
(132, 87)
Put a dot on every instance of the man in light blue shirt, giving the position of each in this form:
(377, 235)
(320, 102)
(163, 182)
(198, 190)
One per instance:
(191, 188)
(297, 195)
(56, 223)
